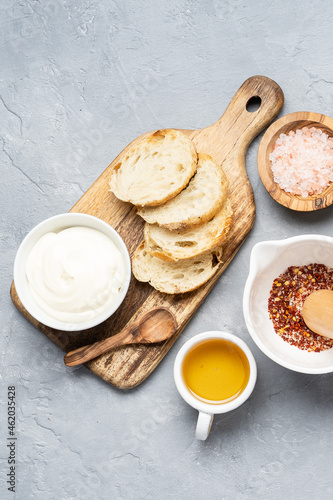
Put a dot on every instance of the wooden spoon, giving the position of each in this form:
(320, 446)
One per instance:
(284, 125)
(318, 312)
(154, 326)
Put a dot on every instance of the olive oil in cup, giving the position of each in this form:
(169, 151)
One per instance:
(215, 372)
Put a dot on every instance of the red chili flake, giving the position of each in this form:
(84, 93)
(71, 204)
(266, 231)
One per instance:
(286, 300)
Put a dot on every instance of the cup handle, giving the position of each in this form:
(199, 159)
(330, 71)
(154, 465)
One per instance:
(204, 425)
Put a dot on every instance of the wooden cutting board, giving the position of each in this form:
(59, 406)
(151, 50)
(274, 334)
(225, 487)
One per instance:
(227, 141)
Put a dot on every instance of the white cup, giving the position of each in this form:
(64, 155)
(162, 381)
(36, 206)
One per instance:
(208, 410)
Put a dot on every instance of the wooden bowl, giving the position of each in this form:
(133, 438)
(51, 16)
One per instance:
(293, 121)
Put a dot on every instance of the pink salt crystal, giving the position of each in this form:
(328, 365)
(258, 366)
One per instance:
(302, 161)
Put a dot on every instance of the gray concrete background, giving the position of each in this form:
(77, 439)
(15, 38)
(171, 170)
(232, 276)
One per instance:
(79, 81)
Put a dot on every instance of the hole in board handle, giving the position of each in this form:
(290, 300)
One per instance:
(253, 104)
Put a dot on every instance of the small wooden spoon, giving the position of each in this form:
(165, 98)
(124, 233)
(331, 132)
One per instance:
(154, 326)
(318, 312)
(284, 125)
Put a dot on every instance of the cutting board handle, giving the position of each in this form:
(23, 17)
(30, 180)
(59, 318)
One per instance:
(239, 121)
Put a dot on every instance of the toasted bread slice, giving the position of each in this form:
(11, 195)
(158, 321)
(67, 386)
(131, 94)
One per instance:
(179, 245)
(196, 204)
(155, 169)
(175, 277)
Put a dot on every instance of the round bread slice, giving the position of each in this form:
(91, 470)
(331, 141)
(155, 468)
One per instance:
(197, 203)
(175, 277)
(155, 169)
(178, 245)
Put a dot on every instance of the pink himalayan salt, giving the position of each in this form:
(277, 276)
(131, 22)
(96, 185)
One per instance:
(302, 161)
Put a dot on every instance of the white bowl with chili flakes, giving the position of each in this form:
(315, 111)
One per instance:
(282, 274)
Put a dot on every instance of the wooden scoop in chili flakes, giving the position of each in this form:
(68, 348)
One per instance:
(318, 312)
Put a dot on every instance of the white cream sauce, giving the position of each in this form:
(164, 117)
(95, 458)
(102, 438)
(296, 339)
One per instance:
(76, 274)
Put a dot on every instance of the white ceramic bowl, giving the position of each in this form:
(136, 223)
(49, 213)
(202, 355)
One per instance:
(56, 224)
(268, 260)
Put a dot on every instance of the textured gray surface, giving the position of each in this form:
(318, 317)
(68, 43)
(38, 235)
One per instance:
(80, 80)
